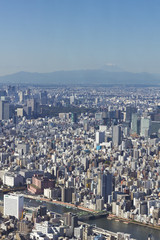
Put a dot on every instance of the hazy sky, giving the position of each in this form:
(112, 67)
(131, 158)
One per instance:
(49, 35)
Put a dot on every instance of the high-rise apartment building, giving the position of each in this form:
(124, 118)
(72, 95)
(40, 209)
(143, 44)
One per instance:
(100, 137)
(104, 187)
(72, 99)
(21, 96)
(43, 97)
(116, 135)
(13, 205)
(74, 117)
(145, 125)
(33, 105)
(135, 124)
(5, 110)
(129, 111)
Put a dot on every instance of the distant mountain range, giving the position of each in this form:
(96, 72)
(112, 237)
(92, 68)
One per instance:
(81, 77)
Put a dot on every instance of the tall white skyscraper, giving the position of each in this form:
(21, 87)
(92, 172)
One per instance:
(13, 205)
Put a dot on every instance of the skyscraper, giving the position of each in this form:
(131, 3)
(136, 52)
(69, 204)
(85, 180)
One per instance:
(116, 135)
(129, 111)
(74, 117)
(5, 110)
(104, 187)
(43, 97)
(13, 205)
(32, 103)
(72, 99)
(100, 137)
(145, 125)
(135, 124)
(21, 96)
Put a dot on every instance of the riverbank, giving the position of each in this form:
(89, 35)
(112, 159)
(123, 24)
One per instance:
(15, 189)
(127, 221)
(95, 214)
(69, 205)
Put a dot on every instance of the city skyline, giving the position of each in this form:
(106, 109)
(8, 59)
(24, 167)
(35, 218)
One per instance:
(40, 36)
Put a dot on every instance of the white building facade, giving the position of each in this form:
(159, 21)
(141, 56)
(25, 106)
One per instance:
(13, 205)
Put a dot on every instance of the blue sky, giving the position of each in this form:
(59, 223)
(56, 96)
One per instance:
(50, 35)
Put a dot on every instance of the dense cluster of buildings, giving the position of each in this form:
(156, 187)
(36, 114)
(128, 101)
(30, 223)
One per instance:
(104, 159)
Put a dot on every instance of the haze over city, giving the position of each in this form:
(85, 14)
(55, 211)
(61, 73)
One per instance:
(47, 36)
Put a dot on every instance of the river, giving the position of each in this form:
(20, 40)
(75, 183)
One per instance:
(138, 232)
